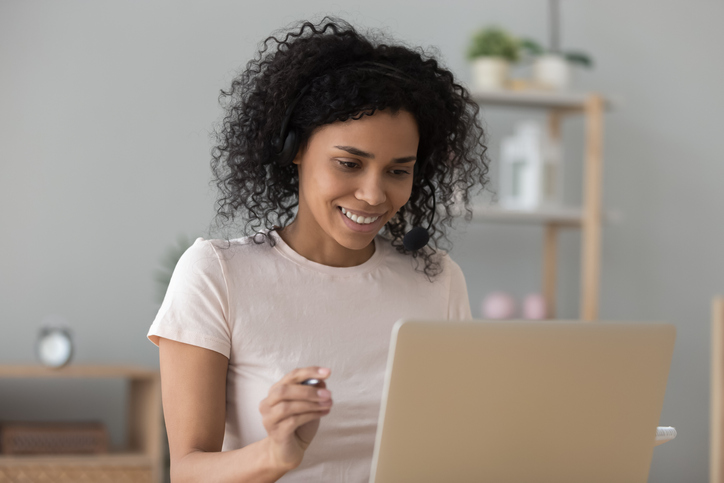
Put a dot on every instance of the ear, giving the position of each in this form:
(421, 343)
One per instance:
(300, 154)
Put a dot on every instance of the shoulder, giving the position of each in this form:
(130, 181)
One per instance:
(451, 265)
(214, 253)
(449, 269)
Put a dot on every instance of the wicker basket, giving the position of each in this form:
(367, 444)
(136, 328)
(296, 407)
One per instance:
(52, 438)
(75, 474)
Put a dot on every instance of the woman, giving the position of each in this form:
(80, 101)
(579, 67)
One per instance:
(366, 140)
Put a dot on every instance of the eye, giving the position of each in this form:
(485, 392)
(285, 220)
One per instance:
(401, 172)
(347, 164)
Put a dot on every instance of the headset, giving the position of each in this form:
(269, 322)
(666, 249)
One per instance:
(284, 151)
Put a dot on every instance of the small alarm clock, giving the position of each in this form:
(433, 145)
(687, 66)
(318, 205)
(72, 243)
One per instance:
(54, 347)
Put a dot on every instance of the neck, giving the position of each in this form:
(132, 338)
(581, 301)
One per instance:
(317, 246)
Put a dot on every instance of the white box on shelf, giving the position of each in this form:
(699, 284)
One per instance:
(531, 169)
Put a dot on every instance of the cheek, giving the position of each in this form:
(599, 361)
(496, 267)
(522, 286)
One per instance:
(402, 195)
(326, 186)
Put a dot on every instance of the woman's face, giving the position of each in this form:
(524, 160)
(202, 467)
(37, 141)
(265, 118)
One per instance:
(362, 166)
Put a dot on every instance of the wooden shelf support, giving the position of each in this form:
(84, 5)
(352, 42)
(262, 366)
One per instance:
(591, 229)
(550, 240)
(550, 261)
(144, 420)
(716, 410)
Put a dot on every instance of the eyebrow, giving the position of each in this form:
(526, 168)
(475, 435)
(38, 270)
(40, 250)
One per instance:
(364, 154)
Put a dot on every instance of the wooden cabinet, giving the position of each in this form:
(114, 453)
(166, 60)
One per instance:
(140, 461)
(587, 218)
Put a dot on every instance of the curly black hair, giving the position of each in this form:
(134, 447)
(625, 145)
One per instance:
(451, 152)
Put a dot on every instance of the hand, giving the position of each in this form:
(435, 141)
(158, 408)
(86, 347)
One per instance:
(291, 414)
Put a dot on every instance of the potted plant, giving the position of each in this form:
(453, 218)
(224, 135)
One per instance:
(491, 52)
(552, 68)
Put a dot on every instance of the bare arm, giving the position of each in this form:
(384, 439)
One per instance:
(193, 387)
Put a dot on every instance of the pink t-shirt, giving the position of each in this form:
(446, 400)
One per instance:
(270, 310)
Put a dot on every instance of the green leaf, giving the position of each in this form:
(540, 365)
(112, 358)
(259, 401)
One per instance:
(494, 42)
(533, 47)
(579, 58)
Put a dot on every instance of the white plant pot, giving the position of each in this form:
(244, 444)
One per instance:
(490, 73)
(553, 71)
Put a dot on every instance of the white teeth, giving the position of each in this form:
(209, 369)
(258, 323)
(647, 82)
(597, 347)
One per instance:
(358, 219)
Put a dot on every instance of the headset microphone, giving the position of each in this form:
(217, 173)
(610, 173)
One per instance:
(416, 238)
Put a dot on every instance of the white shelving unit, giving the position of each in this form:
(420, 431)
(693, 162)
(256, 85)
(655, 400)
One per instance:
(589, 217)
(564, 216)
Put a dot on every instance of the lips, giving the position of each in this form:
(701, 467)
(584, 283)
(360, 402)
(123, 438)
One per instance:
(362, 220)
(361, 213)
(354, 226)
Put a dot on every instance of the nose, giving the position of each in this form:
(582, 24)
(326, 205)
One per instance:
(371, 190)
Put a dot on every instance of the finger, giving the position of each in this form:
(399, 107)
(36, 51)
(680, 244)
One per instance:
(300, 374)
(291, 423)
(292, 392)
(286, 409)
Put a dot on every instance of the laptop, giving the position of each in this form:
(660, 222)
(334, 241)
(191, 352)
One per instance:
(521, 401)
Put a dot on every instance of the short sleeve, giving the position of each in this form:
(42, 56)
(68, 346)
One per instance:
(458, 301)
(195, 309)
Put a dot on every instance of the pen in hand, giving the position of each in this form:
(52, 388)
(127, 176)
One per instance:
(291, 415)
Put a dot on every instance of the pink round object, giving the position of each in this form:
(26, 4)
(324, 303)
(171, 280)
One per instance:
(534, 307)
(498, 305)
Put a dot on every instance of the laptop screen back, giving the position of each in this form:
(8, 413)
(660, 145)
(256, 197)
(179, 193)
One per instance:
(521, 401)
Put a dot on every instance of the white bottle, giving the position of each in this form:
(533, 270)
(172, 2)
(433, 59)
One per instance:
(530, 169)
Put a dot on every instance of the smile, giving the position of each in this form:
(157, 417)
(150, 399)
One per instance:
(360, 220)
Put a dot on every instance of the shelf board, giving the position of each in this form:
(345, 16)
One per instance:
(111, 459)
(566, 216)
(77, 370)
(536, 99)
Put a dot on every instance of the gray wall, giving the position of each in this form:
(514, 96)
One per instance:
(105, 110)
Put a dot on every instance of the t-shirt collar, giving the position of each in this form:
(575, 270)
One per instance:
(287, 252)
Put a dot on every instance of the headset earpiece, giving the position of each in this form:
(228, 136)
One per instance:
(284, 154)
